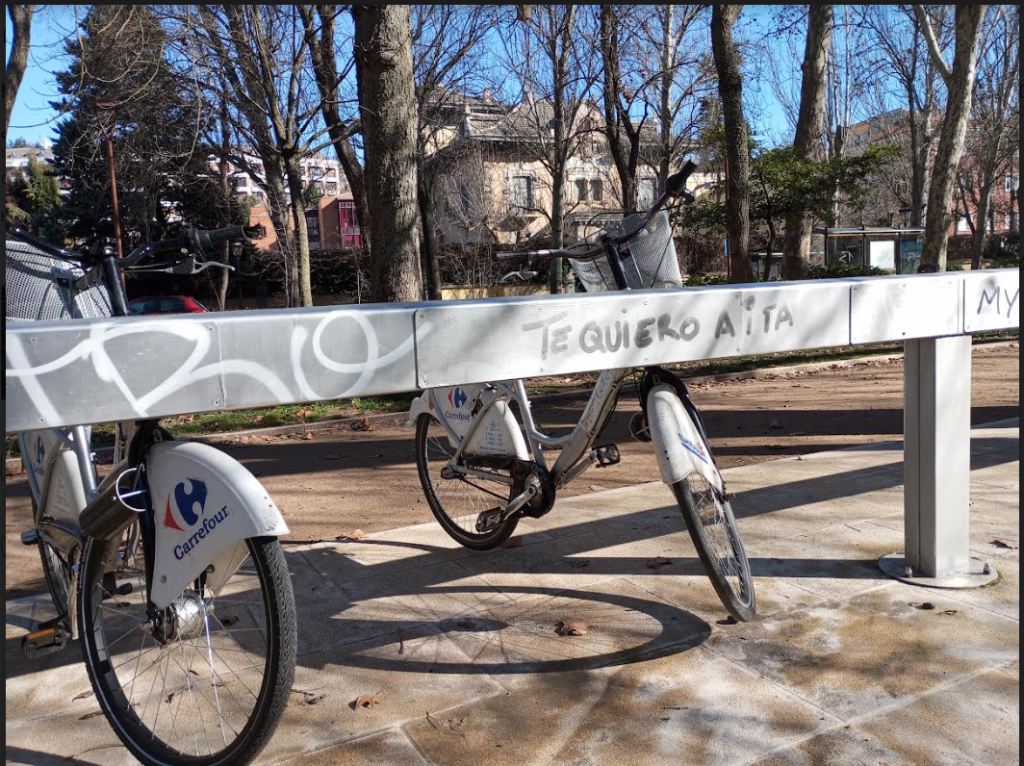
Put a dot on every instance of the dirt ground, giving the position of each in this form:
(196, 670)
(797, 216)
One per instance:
(341, 481)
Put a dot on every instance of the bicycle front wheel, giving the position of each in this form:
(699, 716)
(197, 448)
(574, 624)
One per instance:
(716, 537)
(206, 681)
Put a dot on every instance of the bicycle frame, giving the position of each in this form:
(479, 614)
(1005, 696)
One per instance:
(574, 447)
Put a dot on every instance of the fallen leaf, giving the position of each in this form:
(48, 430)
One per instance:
(1012, 545)
(227, 622)
(596, 488)
(304, 413)
(512, 542)
(170, 698)
(89, 716)
(366, 701)
(926, 606)
(355, 534)
(82, 696)
(572, 628)
(776, 424)
(334, 457)
(466, 624)
(449, 726)
(578, 563)
(308, 436)
(362, 425)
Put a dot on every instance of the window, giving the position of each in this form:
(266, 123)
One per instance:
(963, 226)
(645, 193)
(313, 230)
(520, 194)
(596, 190)
(581, 189)
(1011, 182)
(332, 188)
(241, 183)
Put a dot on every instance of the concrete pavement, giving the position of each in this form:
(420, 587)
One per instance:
(462, 649)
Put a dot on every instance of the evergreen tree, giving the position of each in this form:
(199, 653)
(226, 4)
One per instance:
(162, 163)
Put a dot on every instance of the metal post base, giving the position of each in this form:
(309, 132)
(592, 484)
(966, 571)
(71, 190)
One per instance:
(978, 573)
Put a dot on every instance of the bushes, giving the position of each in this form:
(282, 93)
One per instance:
(1008, 256)
(706, 280)
(840, 271)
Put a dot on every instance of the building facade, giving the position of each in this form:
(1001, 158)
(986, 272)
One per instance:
(492, 185)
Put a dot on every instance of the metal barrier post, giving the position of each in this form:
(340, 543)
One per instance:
(937, 467)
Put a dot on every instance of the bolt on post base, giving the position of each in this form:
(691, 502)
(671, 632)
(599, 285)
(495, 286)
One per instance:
(977, 573)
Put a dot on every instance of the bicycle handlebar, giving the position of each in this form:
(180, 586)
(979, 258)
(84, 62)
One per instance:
(675, 186)
(197, 239)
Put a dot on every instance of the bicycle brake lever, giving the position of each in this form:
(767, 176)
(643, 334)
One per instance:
(201, 267)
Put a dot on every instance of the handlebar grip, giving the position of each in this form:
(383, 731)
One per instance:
(676, 183)
(205, 239)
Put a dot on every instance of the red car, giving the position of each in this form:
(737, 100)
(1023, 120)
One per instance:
(166, 304)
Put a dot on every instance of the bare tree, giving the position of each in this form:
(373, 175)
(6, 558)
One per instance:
(321, 39)
(959, 79)
(556, 69)
(682, 75)
(387, 107)
(254, 57)
(737, 138)
(622, 133)
(450, 60)
(901, 57)
(809, 128)
(993, 134)
(17, 61)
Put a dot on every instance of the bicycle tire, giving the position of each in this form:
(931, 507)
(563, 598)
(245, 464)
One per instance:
(740, 601)
(450, 524)
(144, 741)
(57, 580)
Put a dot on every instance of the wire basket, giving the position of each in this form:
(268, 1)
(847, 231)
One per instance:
(649, 259)
(40, 287)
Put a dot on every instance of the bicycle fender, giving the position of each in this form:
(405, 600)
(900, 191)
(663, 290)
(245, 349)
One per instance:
(206, 506)
(679, 447)
(499, 435)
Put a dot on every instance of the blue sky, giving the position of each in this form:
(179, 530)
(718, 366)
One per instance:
(33, 119)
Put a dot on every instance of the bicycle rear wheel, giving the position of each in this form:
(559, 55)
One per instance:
(207, 683)
(458, 501)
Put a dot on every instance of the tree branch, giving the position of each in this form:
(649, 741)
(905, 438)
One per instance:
(933, 43)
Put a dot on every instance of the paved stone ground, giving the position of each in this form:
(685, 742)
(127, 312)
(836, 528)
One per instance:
(842, 666)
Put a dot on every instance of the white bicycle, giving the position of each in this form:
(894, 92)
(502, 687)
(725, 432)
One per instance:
(480, 475)
(168, 571)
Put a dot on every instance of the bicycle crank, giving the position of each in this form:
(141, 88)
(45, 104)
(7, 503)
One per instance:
(495, 517)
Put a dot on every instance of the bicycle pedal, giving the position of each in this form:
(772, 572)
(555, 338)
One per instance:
(30, 537)
(606, 455)
(50, 639)
(489, 520)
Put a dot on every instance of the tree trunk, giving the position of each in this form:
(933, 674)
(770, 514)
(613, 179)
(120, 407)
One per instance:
(21, 28)
(556, 275)
(666, 78)
(387, 107)
(981, 228)
(730, 89)
(809, 126)
(303, 290)
(954, 130)
(325, 71)
(226, 192)
(621, 156)
(430, 247)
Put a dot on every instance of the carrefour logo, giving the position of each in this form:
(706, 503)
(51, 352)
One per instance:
(696, 449)
(457, 397)
(190, 503)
